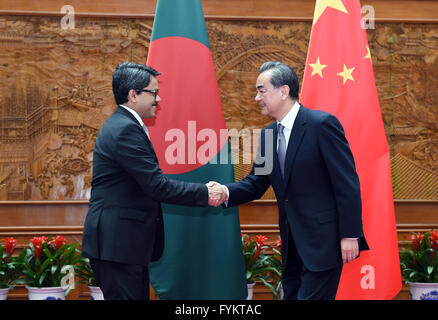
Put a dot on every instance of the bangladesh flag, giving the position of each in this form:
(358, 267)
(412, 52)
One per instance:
(203, 256)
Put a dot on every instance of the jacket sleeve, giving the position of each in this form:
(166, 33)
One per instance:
(254, 185)
(137, 157)
(342, 171)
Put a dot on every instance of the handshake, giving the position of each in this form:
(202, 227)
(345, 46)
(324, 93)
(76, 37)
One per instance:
(217, 193)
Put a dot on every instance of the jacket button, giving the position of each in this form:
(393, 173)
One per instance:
(286, 200)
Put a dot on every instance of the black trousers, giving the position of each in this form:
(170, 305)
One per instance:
(299, 283)
(120, 281)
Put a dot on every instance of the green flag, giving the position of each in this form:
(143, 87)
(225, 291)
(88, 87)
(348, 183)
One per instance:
(202, 257)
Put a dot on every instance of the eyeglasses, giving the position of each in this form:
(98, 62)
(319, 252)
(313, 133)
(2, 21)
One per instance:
(154, 92)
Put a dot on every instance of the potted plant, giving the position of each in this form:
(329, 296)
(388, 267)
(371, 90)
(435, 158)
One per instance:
(256, 262)
(46, 265)
(85, 274)
(8, 267)
(419, 265)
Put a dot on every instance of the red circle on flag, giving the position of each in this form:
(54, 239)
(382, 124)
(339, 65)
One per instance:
(186, 132)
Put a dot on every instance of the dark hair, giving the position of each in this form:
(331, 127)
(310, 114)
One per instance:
(282, 74)
(129, 75)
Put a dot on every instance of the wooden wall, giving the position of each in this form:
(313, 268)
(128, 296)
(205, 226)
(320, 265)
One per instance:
(386, 10)
(45, 166)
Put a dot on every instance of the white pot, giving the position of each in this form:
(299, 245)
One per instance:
(250, 290)
(96, 293)
(4, 294)
(48, 293)
(423, 291)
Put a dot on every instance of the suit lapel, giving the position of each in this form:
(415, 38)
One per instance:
(131, 116)
(295, 139)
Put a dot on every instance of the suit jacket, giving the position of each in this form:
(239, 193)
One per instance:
(124, 222)
(319, 198)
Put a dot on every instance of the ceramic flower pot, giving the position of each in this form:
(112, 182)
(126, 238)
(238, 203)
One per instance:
(423, 291)
(48, 293)
(250, 290)
(96, 293)
(4, 294)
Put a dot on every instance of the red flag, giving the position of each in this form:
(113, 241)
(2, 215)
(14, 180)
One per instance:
(339, 79)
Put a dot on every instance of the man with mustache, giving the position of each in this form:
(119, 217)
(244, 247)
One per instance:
(124, 229)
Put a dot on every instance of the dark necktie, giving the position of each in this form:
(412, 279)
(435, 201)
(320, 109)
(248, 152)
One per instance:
(281, 148)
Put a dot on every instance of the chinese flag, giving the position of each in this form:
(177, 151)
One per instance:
(339, 79)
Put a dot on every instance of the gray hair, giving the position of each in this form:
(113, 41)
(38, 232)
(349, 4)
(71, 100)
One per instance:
(282, 74)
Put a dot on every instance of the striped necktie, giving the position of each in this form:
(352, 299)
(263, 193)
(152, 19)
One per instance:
(281, 148)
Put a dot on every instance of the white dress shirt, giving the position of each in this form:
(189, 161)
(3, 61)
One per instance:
(288, 122)
(140, 121)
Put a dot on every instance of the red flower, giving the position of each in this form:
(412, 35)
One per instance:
(416, 240)
(259, 243)
(38, 245)
(58, 242)
(279, 243)
(260, 240)
(9, 247)
(245, 239)
(434, 239)
(10, 244)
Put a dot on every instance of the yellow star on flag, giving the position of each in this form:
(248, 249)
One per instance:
(321, 5)
(317, 68)
(346, 74)
(368, 56)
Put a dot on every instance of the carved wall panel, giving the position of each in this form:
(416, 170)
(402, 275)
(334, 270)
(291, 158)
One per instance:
(56, 92)
(55, 95)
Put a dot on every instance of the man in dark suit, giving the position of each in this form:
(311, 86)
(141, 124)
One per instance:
(124, 229)
(315, 182)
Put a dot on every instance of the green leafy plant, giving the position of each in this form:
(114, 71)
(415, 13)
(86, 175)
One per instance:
(41, 264)
(419, 262)
(85, 274)
(275, 261)
(257, 262)
(9, 270)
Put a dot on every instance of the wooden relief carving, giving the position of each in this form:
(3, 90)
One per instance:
(56, 93)
(406, 68)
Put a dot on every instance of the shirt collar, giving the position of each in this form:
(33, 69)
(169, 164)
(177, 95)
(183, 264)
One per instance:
(289, 119)
(135, 114)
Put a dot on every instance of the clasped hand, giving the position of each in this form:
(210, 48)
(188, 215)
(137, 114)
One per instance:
(217, 193)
